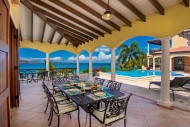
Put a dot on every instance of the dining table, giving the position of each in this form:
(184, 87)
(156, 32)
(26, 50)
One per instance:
(83, 97)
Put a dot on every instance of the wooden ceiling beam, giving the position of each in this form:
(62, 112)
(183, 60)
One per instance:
(43, 32)
(60, 39)
(114, 12)
(158, 6)
(67, 42)
(72, 35)
(133, 9)
(57, 11)
(30, 6)
(186, 2)
(65, 22)
(82, 16)
(69, 29)
(53, 35)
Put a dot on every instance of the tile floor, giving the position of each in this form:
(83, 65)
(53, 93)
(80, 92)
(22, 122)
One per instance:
(141, 112)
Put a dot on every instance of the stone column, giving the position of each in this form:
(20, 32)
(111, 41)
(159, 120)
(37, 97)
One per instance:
(165, 77)
(170, 63)
(47, 63)
(113, 64)
(148, 52)
(153, 63)
(78, 69)
(90, 67)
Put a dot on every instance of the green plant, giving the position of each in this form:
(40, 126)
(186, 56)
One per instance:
(131, 56)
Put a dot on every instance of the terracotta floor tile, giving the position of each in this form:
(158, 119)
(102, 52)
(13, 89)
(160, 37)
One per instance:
(139, 120)
(156, 121)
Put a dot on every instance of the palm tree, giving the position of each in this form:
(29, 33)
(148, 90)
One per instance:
(130, 55)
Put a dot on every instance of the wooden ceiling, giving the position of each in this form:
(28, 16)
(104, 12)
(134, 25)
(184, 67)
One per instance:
(80, 21)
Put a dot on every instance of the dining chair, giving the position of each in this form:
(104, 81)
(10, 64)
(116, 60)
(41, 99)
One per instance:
(114, 85)
(99, 81)
(115, 110)
(60, 108)
(58, 97)
(55, 81)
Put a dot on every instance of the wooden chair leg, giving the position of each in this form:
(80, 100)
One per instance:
(58, 121)
(90, 119)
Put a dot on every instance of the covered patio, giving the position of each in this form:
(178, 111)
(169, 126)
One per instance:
(75, 26)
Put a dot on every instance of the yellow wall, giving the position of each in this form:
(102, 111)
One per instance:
(175, 20)
(178, 42)
(46, 47)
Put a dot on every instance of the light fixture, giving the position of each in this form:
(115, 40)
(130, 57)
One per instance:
(15, 2)
(107, 14)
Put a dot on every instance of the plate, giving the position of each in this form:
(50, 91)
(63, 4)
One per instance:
(87, 88)
(100, 94)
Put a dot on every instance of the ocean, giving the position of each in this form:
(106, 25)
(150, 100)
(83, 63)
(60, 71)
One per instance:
(83, 66)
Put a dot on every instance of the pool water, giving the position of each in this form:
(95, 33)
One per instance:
(143, 73)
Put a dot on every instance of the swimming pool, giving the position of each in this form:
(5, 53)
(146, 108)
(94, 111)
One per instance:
(143, 73)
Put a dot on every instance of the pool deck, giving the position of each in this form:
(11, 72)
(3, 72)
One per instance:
(140, 87)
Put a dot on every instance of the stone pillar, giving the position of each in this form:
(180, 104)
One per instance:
(165, 77)
(148, 62)
(153, 63)
(47, 63)
(113, 64)
(148, 52)
(90, 67)
(170, 64)
(78, 69)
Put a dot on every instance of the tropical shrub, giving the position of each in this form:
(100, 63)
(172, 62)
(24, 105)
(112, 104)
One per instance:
(131, 57)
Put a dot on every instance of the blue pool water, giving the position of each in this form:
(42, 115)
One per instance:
(143, 73)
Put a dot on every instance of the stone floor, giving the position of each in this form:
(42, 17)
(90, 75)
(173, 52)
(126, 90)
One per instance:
(141, 112)
(141, 88)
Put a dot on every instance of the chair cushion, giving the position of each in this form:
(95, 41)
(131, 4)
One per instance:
(59, 98)
(100, 116)
(66, 107)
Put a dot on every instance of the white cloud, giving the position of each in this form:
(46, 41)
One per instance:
(103, 56)
(56, 58)
(72, 58)
(83, 58)
(102, 49)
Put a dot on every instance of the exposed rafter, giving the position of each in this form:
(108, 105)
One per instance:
(94, 13)
(43, 4)
(75, 12)
(65, 22)
(186, 2)
(115, 13)
(67, 42)
(132, 8)
(158, 6)
(60, 39)
(69, 29)
(51, 40)
(30, 6)
(43, 32)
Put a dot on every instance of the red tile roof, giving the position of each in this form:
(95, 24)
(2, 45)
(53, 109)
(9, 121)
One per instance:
(176, 50)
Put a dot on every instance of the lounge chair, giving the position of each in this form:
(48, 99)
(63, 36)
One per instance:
(177, 82)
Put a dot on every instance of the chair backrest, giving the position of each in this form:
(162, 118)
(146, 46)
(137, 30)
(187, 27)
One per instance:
(116, 107)
(58, 80)
(114, 85)
(74, 77)
(53, 103)
(99, 81)
(179, 81)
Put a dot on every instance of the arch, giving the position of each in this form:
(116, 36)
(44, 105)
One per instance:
(47, 47)
(174, 21)
(32, 48)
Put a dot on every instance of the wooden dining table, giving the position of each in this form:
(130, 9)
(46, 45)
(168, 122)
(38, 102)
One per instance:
(84, 99)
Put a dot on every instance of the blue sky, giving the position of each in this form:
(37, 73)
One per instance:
(101, 54)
